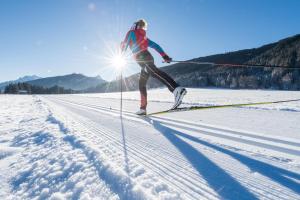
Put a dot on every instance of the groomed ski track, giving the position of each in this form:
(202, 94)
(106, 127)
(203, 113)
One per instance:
(165, 157)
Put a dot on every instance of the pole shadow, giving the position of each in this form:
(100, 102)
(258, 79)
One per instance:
(124, 146)
(126, 160)
(225, 185)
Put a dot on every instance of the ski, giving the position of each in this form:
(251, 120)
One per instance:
(191, 108)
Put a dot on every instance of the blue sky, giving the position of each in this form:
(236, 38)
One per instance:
(57, 37)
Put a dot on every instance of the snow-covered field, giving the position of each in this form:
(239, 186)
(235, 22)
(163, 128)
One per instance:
(80, 147)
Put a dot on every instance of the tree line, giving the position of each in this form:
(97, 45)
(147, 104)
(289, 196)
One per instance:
(18, 88)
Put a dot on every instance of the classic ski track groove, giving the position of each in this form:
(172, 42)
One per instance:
(146, 158)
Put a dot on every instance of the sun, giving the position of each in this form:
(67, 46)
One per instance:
(114, 59)
(118, 61)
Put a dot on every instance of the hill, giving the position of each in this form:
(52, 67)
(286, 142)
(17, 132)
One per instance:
(70, 81)
(285, 52)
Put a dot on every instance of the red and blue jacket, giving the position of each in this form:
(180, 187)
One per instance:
(138, 42)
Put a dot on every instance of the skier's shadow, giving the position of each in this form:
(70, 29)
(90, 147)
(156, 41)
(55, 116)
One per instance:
(222, 182)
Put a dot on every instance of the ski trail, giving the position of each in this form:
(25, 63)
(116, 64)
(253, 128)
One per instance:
(192, 166)
(145, 162)
(279, 145)
(110, 154)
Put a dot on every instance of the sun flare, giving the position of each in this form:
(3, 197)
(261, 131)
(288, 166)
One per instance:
(118, 61)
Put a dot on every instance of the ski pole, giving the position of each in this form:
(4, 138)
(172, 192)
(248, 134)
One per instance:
(121, 87)
(232, 65)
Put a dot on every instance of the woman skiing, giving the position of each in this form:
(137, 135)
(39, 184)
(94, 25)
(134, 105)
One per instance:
(138, 42)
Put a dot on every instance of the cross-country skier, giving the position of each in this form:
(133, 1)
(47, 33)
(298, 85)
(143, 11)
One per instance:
(138, 42)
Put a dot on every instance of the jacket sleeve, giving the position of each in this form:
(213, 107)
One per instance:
(126, 42)
(157, 48)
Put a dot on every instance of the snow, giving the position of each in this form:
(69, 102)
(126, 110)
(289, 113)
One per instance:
(80, 147)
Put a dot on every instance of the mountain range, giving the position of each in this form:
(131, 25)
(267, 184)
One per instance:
(19, 80)
(71, 81)
(285, 52)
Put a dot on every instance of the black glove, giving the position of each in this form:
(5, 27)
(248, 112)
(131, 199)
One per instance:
(167, 59)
